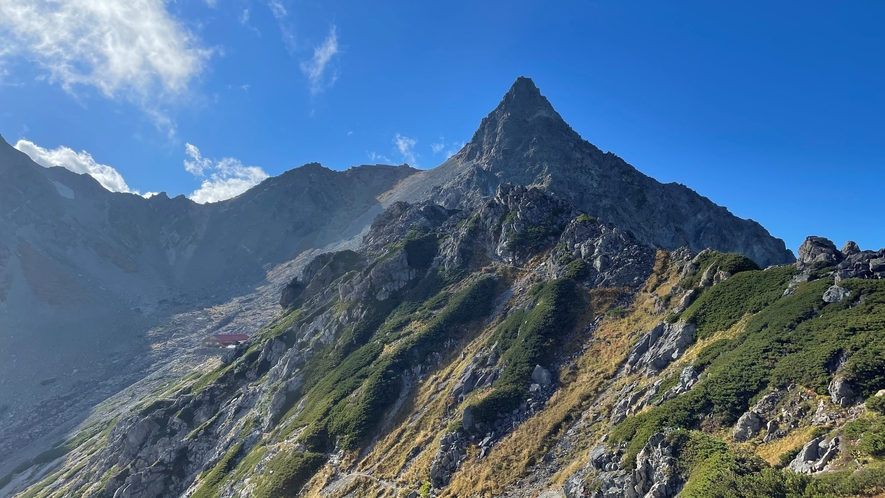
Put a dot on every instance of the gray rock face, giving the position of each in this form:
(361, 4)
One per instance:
(747, 427)
(835, 294)
(655, 475)
(841, 392)
(814, 456)
(817, 251)
(524, 141)
(850, 248)
(660, 346)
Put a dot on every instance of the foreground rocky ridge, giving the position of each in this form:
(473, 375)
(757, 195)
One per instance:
(521, 348)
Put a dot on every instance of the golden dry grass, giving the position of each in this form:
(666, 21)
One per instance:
(771, 452)
(515, 454)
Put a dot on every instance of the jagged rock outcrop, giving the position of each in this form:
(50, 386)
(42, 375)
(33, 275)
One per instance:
(660, 346)
(655, 476)
(817, 252)
(611, 257)
(747, 427)
(815, 455)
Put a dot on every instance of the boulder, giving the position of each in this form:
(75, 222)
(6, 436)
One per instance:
(815, 455)
(467, 419)
(806, 457)
(817, 252)
(841, 392)
(850, 248)
(747, 427)
(542, 376)
(661, 346)
(835, 294)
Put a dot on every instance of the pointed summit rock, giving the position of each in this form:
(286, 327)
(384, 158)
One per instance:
(524, 116)
(524, 141)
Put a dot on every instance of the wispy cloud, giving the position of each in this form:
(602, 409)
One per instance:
(78, 162)
(276, 7)
(316, 68)
(222, 179)
(117, 46)
(406, 148)
(450, 149)
(130, 49)
(378, 158)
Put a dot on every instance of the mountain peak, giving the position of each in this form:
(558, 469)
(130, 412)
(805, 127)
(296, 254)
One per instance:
(522, 115)
(524, 99)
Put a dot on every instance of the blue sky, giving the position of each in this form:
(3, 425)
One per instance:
(775, 111)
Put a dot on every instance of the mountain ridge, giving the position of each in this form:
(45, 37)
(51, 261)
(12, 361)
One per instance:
(524, 141)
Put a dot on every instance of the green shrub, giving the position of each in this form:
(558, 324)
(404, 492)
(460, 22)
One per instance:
(722, 306)
(585, 218)
(290, 472)
(527, 339)
(212, 481)
(876, 404)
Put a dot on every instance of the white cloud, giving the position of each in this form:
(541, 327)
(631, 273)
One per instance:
(378, 158)
(244, 17)
(315, 69)
(437, 148)
(78, 162)
(277, 8)
(406, 148)
(223, 179)
(133, 47)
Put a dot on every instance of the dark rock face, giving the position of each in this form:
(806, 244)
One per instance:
(524, 141)
(850, 262)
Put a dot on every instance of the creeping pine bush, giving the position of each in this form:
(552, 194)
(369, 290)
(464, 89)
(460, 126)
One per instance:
(789, 340)
(527, 339)
(346, 401)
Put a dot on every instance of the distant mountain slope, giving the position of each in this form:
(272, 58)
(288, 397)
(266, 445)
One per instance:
(524, 141)
(85, 272)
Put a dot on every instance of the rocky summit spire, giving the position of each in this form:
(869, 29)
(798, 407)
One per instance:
(524, 141)
(522, 115)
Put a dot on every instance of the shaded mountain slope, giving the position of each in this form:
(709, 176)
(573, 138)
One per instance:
(85, 273)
